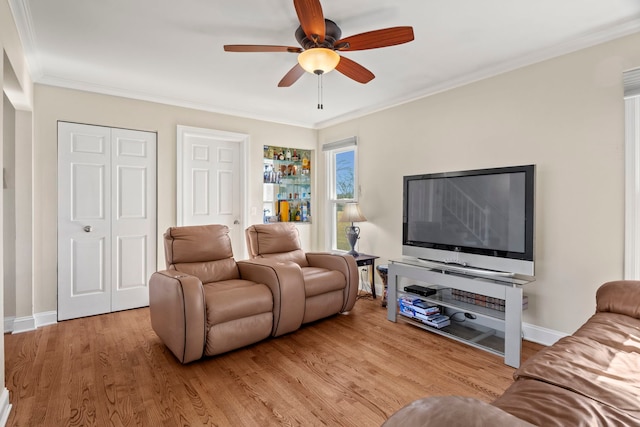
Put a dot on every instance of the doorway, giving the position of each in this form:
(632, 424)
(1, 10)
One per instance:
(106, 218)
(210, 174)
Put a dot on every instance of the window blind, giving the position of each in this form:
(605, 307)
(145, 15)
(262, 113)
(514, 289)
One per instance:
(343, 143)
(631, 83)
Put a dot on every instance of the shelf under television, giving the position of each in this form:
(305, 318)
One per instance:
(472, 334)
(444, 297)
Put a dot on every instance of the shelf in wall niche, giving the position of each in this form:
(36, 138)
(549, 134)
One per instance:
(287, 184)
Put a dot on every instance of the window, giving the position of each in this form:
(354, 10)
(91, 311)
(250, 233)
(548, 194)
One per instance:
(632, 173)
(342, 169)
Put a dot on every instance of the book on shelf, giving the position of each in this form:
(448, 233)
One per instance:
(483, 300)
(436, 321)
(417, 305)
(438, 325)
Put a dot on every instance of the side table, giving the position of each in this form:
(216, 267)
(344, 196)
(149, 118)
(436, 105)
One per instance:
(363, 260)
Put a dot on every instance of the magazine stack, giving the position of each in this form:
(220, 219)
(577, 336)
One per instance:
(418, 309)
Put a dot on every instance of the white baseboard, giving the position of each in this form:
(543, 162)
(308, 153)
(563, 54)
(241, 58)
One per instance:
(46, 318)
(16, 325)
(541, 335)
(24, 324)
(8, 324)
(5, 407)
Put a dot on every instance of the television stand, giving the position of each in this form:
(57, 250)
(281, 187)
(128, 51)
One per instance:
(492, 330)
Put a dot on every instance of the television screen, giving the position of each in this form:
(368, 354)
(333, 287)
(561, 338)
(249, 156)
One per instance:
(487, 212)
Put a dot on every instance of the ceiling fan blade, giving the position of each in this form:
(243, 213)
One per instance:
(354, 71)
(375, 39)
(260, 48)
(311, 19)
(292, 76)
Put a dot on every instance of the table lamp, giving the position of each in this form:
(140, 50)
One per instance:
(351, 213)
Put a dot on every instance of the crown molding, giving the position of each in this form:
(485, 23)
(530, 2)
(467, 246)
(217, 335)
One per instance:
(176, 102)
(585, 41)
(22, 18)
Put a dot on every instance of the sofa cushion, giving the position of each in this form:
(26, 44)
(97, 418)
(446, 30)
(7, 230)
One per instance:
(620, 296)
(545, 404)
(452, 411)
(597, 370)
(613, 330)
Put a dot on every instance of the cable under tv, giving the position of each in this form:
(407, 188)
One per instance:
(420, 290)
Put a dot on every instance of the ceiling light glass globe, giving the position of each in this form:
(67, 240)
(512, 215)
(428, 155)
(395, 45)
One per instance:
(318, 60)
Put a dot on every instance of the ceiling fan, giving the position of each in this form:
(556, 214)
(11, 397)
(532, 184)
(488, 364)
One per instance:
(320, 39)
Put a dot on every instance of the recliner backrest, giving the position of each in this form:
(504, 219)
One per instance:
(203, 251)
(279, 240)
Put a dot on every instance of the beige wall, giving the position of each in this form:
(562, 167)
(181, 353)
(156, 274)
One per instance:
(16, 83)
(8, 208)
(565, 115)
(53, 104)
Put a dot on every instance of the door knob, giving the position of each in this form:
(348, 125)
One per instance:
(236, 222)
(88, 228)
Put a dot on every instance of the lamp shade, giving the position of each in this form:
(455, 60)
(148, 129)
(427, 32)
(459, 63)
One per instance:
(351, 213)
(318, 60)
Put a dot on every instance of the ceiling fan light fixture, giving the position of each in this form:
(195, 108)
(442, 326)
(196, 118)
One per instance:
(318, 60)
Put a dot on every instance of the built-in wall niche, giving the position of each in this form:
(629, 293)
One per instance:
(287, 184)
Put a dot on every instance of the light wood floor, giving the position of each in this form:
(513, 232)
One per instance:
(348, 370)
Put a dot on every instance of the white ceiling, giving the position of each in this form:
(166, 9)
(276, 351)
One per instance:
(171, 51)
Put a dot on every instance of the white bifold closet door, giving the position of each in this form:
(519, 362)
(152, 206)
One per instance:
(106, 219)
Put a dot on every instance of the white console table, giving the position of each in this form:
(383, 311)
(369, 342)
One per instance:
(499, 332)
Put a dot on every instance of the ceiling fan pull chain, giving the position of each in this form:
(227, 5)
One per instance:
(320, 101)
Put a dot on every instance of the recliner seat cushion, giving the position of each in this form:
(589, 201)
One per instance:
(235, 299)
(210, 271)
(320, 281)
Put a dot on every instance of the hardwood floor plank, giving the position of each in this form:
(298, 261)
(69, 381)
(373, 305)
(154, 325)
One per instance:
(348, 370)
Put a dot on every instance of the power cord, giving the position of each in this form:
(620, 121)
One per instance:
(366, 286)
(453, 318)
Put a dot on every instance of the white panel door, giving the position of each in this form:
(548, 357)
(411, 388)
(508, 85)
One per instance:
(106, 219)
(133, 217)
(84, 220)
(210, 189)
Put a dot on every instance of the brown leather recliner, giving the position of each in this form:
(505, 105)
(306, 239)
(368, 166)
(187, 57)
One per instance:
(205, 303)
(330, 280)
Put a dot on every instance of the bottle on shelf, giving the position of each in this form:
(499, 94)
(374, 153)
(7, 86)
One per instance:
(284, 211)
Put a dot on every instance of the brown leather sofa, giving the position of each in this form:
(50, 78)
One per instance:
(330, 280)
(591, 378)
(205, 303)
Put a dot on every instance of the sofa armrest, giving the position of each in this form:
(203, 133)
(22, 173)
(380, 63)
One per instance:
(287, 286)
(178, 313)
(452, 411)
(344, 263)
(621, 296)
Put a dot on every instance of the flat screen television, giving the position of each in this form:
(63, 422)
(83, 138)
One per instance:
(481, 219)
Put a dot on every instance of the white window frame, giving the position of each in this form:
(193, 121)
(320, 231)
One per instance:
(632, 175)
(331, 151)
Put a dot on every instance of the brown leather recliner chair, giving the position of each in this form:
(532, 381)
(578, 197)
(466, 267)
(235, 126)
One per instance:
(330, 280)
(205, 303)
